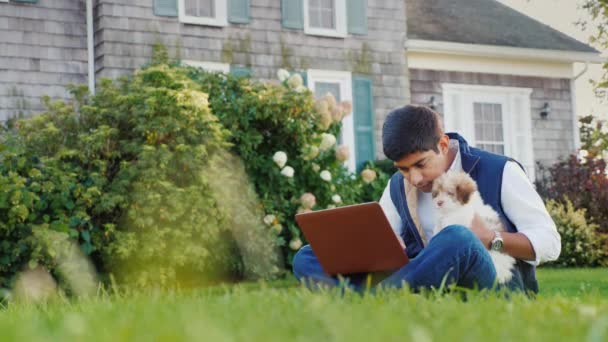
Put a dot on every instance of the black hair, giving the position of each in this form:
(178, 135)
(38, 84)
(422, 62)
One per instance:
(410, 129)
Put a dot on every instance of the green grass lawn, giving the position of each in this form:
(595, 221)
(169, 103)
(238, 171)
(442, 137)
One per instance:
(572, 306)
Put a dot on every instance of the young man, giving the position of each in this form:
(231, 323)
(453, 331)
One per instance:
(413, 138)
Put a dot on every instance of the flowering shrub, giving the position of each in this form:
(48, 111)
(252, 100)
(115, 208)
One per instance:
(288, 143)
(581, 245)
(128, 173)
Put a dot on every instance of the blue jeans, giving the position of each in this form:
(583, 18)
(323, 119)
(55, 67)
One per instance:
(454, 256)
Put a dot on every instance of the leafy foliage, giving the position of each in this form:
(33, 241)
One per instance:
(124, 172)
(308, 172)
(581, 244)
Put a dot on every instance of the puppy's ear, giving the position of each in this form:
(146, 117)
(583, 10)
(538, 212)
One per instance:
(464, 189)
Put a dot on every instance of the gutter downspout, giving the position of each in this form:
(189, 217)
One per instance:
(90, 47)
(575, 130)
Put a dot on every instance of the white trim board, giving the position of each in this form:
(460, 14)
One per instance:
(344, 78)
(220, 19)
(208, 66)
(431, 46)
(339, 19)
(458, 100)
(490, 65)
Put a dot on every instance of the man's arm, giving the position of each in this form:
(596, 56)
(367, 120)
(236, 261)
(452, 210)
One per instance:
(516, 245)
(537, 239)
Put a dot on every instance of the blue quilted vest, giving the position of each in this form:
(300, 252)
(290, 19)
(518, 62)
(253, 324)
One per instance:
(486, 169)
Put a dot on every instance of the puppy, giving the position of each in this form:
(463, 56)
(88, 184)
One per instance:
(457, 201)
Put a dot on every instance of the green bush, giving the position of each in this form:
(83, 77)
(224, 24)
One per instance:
(581, 244)
(126, 173)
(287, 141)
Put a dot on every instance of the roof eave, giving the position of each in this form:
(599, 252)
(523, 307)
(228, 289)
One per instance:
(433, 46)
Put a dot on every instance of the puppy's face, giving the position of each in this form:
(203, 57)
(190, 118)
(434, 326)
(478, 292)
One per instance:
(452, 190)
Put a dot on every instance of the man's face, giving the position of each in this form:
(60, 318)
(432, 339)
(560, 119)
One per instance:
(421, 168)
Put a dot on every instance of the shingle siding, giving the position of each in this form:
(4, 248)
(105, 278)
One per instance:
(126, 34)
(552, 137)
(42, 50)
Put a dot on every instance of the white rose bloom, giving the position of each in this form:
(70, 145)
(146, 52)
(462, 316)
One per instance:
(582, 154)
(336, 199)
(331, 206)
(295, 81)
(316, 167)
(277, 228)
(287, 171)
(282, 74)
(327, 141)
(295, 244)
(269, 219)
(300, 89)
(280, 158)
(325, 175)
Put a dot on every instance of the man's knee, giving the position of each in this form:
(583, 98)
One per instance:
(301, 260)
(457, 235)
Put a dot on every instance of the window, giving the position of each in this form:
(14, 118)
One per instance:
(203, 12)
(489, 127)
(325, 17)
(496, 119)
(339, 83)
(209, 66)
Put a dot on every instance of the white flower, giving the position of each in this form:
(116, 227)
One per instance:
(327, 141)
(269, 219)
(295, 244)
(316, 167)
(346, 107)
(300, 89)
(303, 210)
(582, 154)
(282, 74)
(310, 152)
(368, 175)
(287, 171)
(295, 81)
(331, 206)
(336, 199)
(280, 158)
(325, 175)
(342, 153)
(277, 228)
(308, 200)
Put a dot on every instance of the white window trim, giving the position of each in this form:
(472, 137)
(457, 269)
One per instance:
(340, 20)
(208, 66)
(221, 15)
(344, 78)
(462, 96)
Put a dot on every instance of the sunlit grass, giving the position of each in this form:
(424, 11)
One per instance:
(280, 311)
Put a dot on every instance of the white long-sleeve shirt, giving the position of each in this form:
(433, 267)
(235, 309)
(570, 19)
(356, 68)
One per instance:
(520, 202)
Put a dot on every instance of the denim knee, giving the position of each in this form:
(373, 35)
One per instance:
(458, 235)
(300, 260)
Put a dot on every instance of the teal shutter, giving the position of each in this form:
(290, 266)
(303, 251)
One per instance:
(363, 115)
(239, 11)
(292, 12)
(240, 71)
(165, 8)
(356, 12)
(26, 1)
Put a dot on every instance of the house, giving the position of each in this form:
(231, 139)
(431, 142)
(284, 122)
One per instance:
(497, 76)
(353, 48)
(502, 79)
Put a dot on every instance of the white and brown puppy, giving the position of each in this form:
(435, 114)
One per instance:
(457, 201)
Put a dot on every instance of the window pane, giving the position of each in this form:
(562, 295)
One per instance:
(200, 8)
(321, 13)
(322, 88)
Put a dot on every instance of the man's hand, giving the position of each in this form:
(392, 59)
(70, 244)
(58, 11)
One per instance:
(483, 233)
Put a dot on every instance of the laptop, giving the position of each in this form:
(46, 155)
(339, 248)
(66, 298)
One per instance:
(353, 239)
